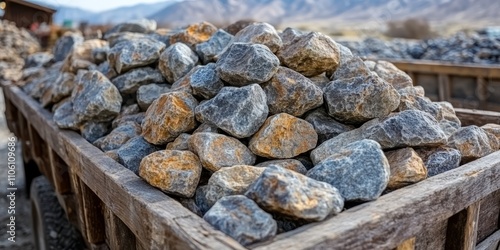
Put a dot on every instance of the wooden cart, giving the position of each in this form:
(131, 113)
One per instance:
(113, 208)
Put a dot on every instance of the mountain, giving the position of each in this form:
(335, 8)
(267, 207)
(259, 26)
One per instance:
(331, 12)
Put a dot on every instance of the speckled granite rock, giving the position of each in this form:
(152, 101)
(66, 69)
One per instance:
(391, 74)
(59, 90)
(204, 81)
(172, 171)
(147, 94)
(130, 82)
(180, 143)
(241, 219)
(132, 152)
(406, 168)
(65, 118)
(209, 50)
(64, 45)
(131, 54)
(493, 129)
(261, 33)
(359, 171)
(294, 195)
(473, 142)
(409, 102)
(218, 151)
(290, 164)
(325, 126)
(118, 136)
(91, 131)
(439, 160)
(200, 198)
(350, 67)
(207, 127)
(176, 61)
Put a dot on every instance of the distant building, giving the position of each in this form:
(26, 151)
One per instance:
(25, 14)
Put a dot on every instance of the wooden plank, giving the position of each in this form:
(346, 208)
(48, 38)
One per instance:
(60, 174)
(489, 216)
(118, 236)
(462, 229)
(444, 87)
(477, 117)
(76, 190)
(421, 66)
(482, 92)
(432, 237)
(93, 216)
(378, 224)
(491, 243)
(157, 220)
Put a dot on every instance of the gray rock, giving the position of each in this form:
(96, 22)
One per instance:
(244, 64)
(439, 160)
(65, 118)
(190, 204)
(218, 151)
(100, 55)
(118, 136)
(493, 129)
(391, 74)
(180, 143)
(96, 98)
(241, 219)
(449, 113)
(294, 195)
(325, 126)
(200, 198)
(205, 81)
(132, 152)
(137, 118)
(207, 127)
(147, 94)
(350, 67)
(106, 69)
(360, 171)
(172, 171)
(116, 38)
(290, 164)
(135, 26)
(329, 147)
(238, 111)
(233, 180)
(112, 154)
(360, 99)
(209, 50)
(283, 136)
(59, 90)
(91, 131)
(290, 35)
(261, 33)
(64, 45)
(406, 168)
(409, 102)
(130, 82)
(473, 143)
(310, 54)
(127, 55)
(412, 91)
(40, 59)
(176, 61)
(169, 116)
(292, 93)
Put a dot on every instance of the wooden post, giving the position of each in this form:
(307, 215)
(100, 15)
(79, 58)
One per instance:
(462, 229)
(444, 87)
(93, 215)
(118, 235)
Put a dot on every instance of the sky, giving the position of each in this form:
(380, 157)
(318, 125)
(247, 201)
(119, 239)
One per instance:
(97, 5)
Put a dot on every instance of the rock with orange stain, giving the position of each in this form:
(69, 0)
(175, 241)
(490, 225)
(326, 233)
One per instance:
(493, 129)
(360, 171)
(241, 219)
(218, 151)
(326, 127)
(310, 54)
(238, 111)
(261, 33)
(176, 61)
(180, 143)
(292, 93)
(295, 195)
(283, 136)
(243, 64)
(439, 159)
(473, 142)
(168, 117)
(209, 50)
(406, 168)
(172, 171)
(135, 53)
(290, 164)
(194, 34)
(233, 180)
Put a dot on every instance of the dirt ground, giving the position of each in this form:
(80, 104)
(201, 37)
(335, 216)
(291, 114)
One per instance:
(23, 240)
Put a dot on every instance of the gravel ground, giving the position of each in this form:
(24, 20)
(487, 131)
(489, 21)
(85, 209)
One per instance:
(22, 215)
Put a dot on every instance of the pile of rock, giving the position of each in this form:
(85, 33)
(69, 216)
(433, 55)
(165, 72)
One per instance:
(260, 132)
(460, 48)
(15, 44)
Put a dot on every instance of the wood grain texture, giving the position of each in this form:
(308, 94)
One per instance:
(462, 229)
(93, 216)
(157, 221)
(432, 237)
(477, 117)
(490, 243)
(489, 216)
(118, 236)
(421, 66)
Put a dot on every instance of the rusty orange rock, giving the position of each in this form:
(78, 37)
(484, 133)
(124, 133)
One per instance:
(194, 34)
(283, 136)
(406, 168)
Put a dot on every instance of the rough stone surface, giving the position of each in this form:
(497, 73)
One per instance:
(234, 28)
(180, 143)
(406, 168)
(241, 219)
(65, 118)
(493, 129)
(190, 204)
(194, 34)
(325, 126)
(310, 54)
(172, 171)
(391, 74)
(106, 69)
(473, 143)
(218, 151)
(207, 127)
(169, 116)
(357, 100)
(238, 111)
(360, 171)
(261, 33)
(59, 90)
(95, 98)
(290, 164)
(64, 45)
(80, 56)
(131, 54)
(409, 102)
(233, 180)
(331, 146)
(243, 64)
(118, 136)
(138, 118)
(283, 136)
(130, 82)
(350, 67)
(132, 152)
(209, 50)
(91, 131)
(439, 160)
(39, 59)
(147, 94)
(200, 198)
(176, 61)
(135, 26)
(205, 81)
(292, 93)
(294, 195)
(413, 91)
